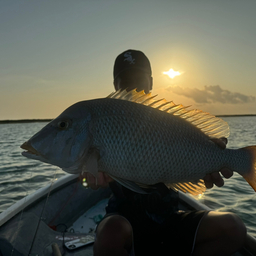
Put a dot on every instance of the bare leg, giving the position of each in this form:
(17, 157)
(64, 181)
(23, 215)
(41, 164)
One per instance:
(220, 234)
(114, 237)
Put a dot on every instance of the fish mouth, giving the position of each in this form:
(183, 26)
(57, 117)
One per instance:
(29, 148)
(31, 152)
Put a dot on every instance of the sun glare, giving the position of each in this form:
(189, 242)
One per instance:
(171, 73)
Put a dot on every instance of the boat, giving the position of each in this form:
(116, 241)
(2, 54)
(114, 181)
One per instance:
(61, 218)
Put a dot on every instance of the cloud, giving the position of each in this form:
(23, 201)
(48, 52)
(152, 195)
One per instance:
(212, 94)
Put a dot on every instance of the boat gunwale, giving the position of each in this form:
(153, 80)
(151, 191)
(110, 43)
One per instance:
(36, 196)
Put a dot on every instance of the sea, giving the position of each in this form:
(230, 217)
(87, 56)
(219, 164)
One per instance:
(20, 176)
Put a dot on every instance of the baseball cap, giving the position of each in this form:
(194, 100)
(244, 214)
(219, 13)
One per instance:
(131, 59)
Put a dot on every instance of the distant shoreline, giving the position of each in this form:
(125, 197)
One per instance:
(24, 121)
(235, 115)
(48, 120)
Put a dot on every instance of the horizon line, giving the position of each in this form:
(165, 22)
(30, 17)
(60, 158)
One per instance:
(50, 119)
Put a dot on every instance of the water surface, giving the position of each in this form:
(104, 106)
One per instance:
(20, 176)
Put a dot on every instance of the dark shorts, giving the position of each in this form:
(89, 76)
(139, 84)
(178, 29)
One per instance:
(161, 230)
(177, 235)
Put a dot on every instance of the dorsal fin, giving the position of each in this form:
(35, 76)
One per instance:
(212, 126)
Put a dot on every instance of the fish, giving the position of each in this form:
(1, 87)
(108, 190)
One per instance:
(140, 141)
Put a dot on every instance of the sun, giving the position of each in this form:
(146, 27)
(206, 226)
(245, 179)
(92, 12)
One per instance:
(171, 73)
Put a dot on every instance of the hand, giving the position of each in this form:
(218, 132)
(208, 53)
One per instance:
(215, 178)
(101, 182)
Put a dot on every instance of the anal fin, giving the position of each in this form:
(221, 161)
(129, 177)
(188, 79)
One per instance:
(194, 188)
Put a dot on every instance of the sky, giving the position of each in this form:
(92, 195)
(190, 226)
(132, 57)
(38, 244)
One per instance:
(54, 53)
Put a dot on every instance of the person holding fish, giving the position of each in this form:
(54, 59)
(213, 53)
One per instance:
(197, 233)
(146, 150)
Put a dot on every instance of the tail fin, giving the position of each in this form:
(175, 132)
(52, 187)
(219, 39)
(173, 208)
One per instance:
(250, 176)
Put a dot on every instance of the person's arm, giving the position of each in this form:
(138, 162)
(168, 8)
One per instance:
(215, 178)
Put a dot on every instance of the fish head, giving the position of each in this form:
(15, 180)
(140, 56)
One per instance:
(63, 142)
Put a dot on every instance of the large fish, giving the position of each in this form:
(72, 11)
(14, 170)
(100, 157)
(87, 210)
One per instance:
(140, 141)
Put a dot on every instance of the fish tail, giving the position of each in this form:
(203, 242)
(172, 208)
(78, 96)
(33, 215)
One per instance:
(250, 176)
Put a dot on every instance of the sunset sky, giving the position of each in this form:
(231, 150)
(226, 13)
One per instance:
(55, 53)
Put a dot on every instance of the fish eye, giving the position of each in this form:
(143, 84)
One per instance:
(63, 125)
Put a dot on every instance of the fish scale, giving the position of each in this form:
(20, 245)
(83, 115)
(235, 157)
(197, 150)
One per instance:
(130, 131)
(140, 141)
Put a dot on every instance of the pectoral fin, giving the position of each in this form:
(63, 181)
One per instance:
(91, 163)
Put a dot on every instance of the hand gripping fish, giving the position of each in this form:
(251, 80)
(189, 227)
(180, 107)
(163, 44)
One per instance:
(140, 141)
